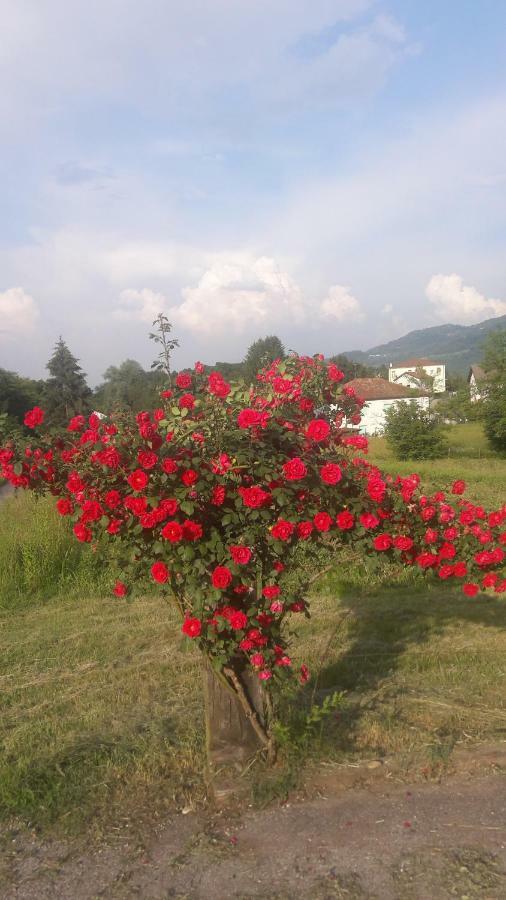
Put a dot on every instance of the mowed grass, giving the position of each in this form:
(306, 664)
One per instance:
(469, 458)
(101, 713)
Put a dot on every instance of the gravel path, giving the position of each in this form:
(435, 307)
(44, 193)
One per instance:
(390, 842)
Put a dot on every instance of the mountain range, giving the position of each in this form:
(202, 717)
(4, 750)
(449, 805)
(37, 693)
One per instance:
(458, 346)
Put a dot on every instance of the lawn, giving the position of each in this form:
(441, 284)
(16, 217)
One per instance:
(101, 708)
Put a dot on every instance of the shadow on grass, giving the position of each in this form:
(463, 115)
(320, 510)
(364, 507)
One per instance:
(376, 634)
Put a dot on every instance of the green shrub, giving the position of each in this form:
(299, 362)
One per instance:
(414, 433)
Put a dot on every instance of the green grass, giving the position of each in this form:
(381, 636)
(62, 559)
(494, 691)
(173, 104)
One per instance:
(39, 556)
(101, 704)
(485, 474)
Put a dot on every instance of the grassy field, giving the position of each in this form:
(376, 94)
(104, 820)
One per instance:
(101, 708)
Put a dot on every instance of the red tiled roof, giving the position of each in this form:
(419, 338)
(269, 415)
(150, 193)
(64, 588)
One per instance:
(417, 363)
(478, 373)
(380, 389)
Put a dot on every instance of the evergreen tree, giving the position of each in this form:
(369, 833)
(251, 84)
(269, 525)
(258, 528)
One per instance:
(261, 353)
(66, 393)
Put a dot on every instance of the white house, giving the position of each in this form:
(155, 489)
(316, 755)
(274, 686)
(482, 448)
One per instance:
(477, 381)
(381, 395)
(406, 373)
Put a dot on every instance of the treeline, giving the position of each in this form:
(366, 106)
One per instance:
(127, 386)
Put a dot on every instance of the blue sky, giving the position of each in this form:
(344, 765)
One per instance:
(333, 172)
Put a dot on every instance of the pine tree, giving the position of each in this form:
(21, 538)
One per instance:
(66, 393)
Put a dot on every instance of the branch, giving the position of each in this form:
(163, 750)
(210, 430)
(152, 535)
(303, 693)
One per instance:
(249, 711)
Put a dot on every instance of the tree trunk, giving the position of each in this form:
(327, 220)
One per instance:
(231, 738)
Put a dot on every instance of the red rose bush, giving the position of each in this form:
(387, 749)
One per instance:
(209, 497)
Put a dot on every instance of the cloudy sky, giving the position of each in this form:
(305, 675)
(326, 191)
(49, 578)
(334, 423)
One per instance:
(331, 171)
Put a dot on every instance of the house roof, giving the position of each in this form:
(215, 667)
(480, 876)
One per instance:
(478, 372)
(380, 389)
(415, 363)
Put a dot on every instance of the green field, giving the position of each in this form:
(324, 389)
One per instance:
(101, 708)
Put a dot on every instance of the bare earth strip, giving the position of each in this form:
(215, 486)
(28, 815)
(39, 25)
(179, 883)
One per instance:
(392, 841)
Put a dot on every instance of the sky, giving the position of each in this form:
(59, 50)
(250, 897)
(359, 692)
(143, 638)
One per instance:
(333, 172)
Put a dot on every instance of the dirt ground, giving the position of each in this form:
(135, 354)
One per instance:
(392, 840)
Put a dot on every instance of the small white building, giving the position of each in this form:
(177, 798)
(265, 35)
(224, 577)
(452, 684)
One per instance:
(407, 373)
(381, 395)
(477, 381)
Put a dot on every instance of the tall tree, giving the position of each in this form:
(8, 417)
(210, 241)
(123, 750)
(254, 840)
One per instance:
(494, 407)
(17, 394)
(127, 387)
(261, 353)
(66, 393)
(351, 368)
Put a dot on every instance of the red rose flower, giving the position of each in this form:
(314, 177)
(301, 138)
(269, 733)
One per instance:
(248, 418)
(304, 530)
(112, 499)
(318, 430)
(294, 469)
(458, 487)
(187, 401)
(240, 555)
(218, 495)
(160, 572)
(172, 532)
(345, 520)
(138, 480)
(65, 507)
(34, 417)
(147, 459)
(322, 521)
(82, 533)
(120, 589)
(192, 531)
(304, 674)
(191, 627)
(169, 466)
(183, 380)
(368, 520)
(271, 591)
(331, 473)
(221, 577)
(189, 477)
(199, 368)
(402, 542)
(334, 373)
(254, 497)
(470, 589)
(382, 542)
(282, 530)
(76, 423)
(238, 620)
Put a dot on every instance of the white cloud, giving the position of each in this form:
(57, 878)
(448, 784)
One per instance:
(141, 306)
(239, 293)
(341, 305)
(18, 313)
(455, 301)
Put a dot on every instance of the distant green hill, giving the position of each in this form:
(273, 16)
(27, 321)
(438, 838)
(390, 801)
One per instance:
(456, 345)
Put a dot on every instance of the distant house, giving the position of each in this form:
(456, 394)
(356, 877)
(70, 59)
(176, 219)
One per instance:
(408, 371)
(477, 381)
(381, 395)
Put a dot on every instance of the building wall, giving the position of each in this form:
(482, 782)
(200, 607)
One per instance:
(398, 376)
(374, 413)
(474, 391)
